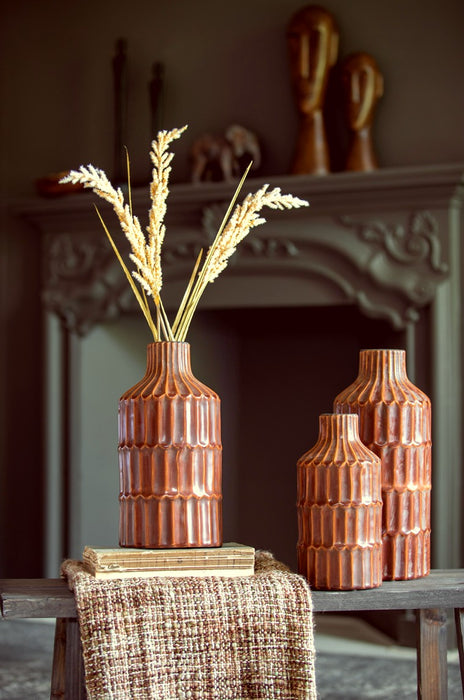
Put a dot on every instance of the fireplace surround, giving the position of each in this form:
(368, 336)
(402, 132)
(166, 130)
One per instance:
(387, 243)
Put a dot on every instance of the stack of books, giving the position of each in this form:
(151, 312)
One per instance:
(230, 560)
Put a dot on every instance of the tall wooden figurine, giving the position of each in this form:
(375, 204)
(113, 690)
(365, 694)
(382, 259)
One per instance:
(362, 88)
(313, 48)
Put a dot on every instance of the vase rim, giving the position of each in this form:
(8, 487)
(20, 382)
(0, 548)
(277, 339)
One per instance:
(382, 350)
(168, 342)
(330, 414)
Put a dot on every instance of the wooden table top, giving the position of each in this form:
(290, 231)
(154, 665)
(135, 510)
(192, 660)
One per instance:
(440, 589)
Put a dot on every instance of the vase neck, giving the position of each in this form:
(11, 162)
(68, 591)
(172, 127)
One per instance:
(382, 364)
(340, 427)
(169, 356)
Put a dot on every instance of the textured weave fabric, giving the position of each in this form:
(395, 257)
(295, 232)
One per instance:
(197, 638)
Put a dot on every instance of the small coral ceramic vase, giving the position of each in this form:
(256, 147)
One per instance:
(339, 509)
(170, 456)
(395, 423)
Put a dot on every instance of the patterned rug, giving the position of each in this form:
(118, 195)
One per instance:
(202, 638)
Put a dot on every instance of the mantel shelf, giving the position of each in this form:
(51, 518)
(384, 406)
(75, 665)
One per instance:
(332, 193)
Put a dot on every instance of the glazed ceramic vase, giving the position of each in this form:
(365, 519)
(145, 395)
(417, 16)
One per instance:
(339, 509)
(395, 423)
(170, 456)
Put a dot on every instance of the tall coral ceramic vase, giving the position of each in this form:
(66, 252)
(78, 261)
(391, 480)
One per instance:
(339, 509)
(170, 456)
(395, 423)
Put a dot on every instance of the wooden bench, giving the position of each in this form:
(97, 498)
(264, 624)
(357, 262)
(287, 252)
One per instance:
(431, 597)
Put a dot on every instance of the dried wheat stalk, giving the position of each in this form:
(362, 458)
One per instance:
(146, 249)
(244, 218)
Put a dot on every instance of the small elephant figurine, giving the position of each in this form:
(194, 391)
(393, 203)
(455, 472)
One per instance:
(216, 157)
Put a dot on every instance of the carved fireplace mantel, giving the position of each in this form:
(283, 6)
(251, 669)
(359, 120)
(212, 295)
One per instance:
(387, 241)
(379, 240)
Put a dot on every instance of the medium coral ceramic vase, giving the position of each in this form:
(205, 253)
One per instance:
(395, 423)
(170, 456)
(339, 509)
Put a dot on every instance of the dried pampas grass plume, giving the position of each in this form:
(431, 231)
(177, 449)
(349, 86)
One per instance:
(146, 248)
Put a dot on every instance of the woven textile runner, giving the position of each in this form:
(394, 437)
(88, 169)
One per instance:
(206, 638)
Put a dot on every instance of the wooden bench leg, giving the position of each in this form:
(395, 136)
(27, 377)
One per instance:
(68, 679)
(59, 660)
(432, 649)
(459, 620)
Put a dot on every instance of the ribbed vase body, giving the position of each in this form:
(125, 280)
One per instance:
(395, 423)
(339, 509)
(170, 456)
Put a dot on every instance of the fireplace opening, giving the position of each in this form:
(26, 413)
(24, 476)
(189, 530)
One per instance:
(276, 370)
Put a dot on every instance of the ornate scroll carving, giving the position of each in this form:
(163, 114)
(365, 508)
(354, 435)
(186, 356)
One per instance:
(416, 242)
(82, 283)
(406, 258)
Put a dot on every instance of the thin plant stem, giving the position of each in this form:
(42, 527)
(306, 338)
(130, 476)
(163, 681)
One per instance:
(143, 306)
(129, 188)
(129, 195)
(186, 293)
(165, 322)
(158, 322)
(201, 282)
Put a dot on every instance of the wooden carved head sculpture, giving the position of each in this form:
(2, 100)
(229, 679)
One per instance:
(362, 88)
(312, 38)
